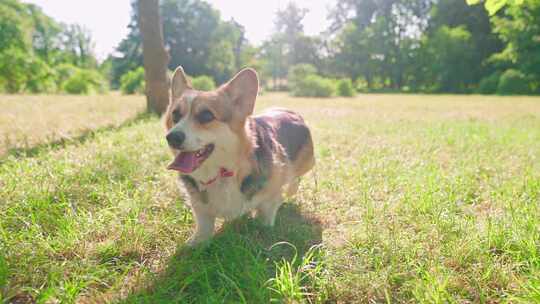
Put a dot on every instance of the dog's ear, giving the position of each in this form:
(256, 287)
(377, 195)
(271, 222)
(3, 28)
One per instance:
(242, 90)
(179, 83)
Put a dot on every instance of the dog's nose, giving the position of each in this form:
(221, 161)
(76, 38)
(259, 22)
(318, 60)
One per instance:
(175, 139)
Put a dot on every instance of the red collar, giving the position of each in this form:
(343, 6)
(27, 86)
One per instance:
(223, 172)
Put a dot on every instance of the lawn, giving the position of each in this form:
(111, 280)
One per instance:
(28, 121)
(431, 199)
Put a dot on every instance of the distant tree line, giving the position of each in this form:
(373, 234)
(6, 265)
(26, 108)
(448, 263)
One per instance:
(38, 54)
(431, 46)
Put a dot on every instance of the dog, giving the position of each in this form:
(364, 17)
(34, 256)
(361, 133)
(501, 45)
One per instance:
(229, 161)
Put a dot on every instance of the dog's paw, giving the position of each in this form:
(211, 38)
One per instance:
(195, 240)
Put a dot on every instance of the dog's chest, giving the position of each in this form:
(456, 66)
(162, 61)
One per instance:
(224, 199)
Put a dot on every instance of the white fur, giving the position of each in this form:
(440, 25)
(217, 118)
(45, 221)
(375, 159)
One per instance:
(225, 200)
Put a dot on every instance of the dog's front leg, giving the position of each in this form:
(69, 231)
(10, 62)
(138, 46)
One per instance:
(267, 210)
(204, 227)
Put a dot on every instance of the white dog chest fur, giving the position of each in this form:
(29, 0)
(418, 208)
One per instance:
(225, 200)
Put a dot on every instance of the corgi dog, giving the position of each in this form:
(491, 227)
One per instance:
(230, 162)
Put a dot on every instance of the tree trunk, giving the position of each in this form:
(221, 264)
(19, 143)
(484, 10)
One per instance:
(155, 57)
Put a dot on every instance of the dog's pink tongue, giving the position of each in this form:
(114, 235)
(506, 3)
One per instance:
(185, 162)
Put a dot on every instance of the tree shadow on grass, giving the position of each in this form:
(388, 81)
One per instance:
(236, 266)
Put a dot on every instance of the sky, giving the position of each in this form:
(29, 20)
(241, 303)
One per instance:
(107, 20)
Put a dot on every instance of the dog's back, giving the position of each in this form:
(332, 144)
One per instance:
(289, 130)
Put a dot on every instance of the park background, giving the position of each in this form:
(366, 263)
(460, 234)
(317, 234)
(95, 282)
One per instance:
(422, 46)
(427, 182)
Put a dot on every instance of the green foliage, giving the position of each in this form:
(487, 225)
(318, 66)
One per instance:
(489, 84)
(85, 82)
(522, 47)
(64, 71)
(483, 41)
(451, 56)
(314, 86)
(199, 27)
(133, 82)
(78, 46)
(345, 88)
(13, 64)
(221, 60)
(188, 25)
(299, 72)
(394, 45)
(34, 49)
(22, 72)
(15, 25)
(513, 82)
(353, 58)
(493, 6)
(289, 46)
(203, 83)
(304, 81)
(40, 77)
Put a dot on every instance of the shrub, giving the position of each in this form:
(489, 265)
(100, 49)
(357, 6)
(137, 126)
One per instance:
(314, 86)
(133, 81)
(85, 82)
(299, 72)
(489, 84)
(345, 88)
(203, 83)
(64, 71)
(24, 72)
(513, 82)
(40, 77)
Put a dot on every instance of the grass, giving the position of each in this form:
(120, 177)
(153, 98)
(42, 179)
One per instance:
(28, 121)
(430, 199)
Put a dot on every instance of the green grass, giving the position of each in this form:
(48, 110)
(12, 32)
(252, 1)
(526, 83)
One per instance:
(431, 199)
(29, 121)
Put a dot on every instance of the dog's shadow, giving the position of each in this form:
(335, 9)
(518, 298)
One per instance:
(236, 265)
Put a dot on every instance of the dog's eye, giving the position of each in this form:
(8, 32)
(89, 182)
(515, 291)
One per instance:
(176, 116)
(205, 117)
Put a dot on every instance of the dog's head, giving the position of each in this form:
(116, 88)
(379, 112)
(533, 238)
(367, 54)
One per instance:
(204, 129)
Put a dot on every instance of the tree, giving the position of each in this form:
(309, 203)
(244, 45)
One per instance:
(272, 56)
(189, 27)
(475, 20)
(226, 48)
(128, 55)
(155, 57)
(518, 28)
(451, 56)
(195, 37)
(46, 36)
(288, 23)
(78, 45)
(378, 37)
(288, 45)
(493, 6)
(35, 49)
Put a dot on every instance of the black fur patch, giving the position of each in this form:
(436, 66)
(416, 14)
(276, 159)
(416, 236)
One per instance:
(275, 132)
(288, 129)
(189, 182)
(193, 188)
(263, 153)
(292, 135)
(252, 184)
